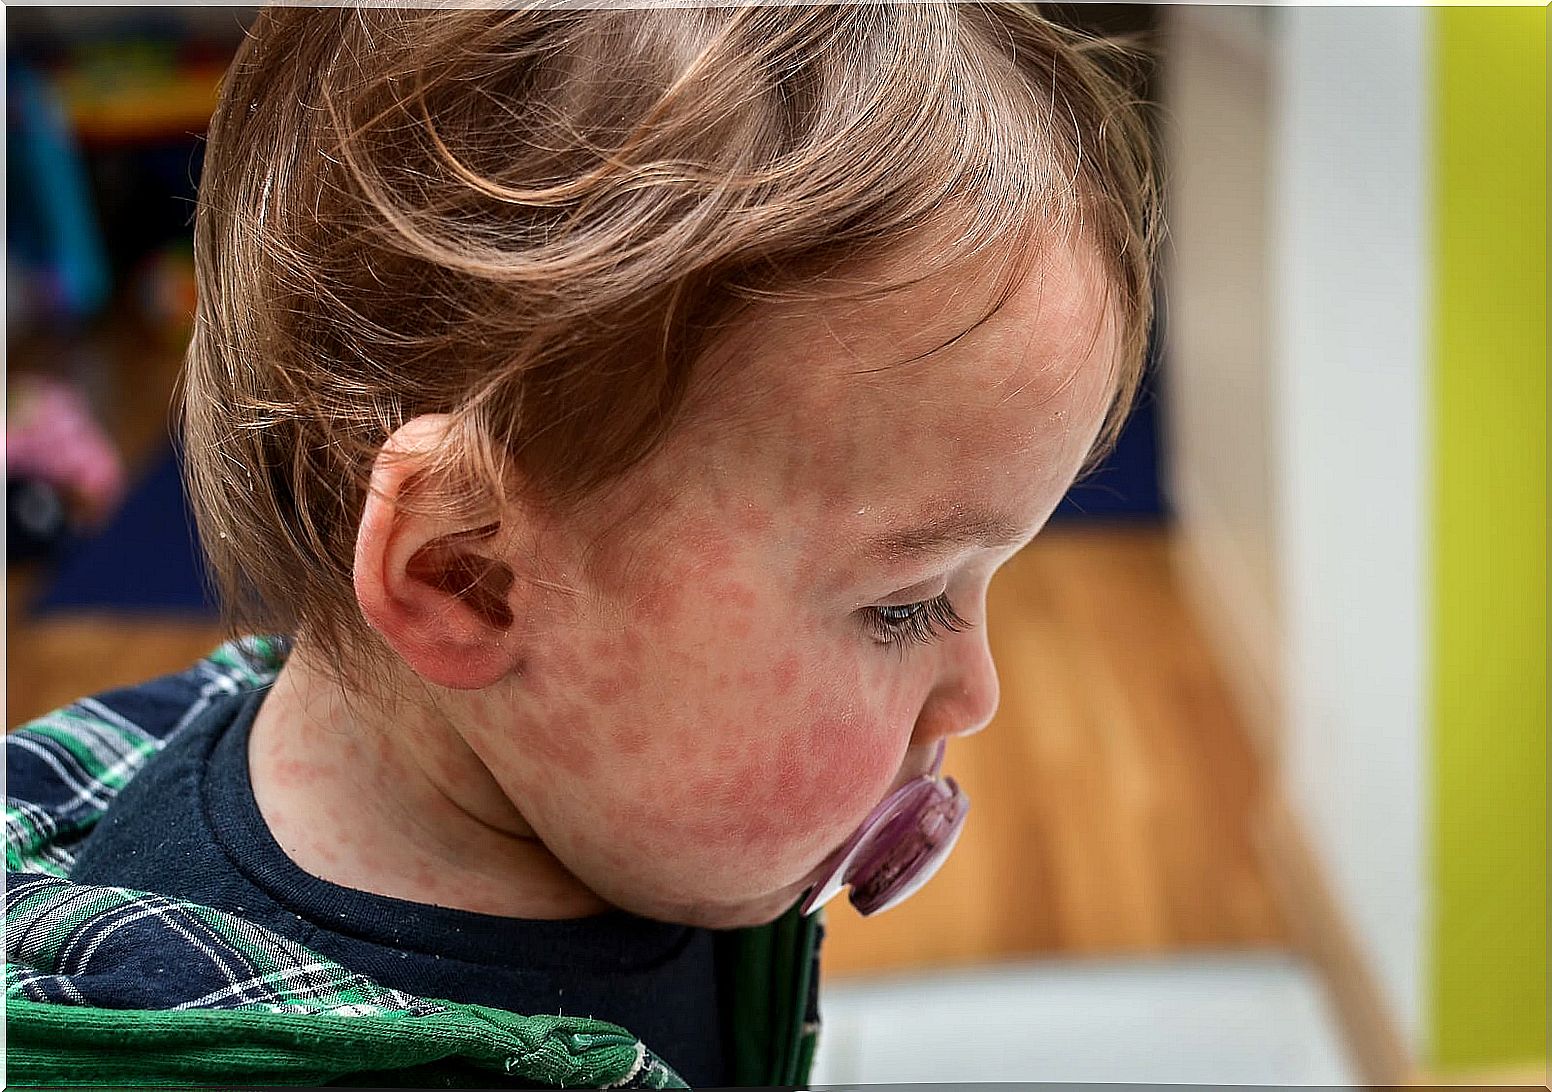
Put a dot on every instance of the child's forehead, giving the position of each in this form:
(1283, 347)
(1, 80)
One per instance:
(832, 407)
(934, 350)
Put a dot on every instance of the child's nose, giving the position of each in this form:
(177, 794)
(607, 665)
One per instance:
(966, 696)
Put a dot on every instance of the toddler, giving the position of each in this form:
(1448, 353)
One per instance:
(621, 414)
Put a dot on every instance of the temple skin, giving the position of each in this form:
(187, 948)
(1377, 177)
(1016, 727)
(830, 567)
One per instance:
(690, 708)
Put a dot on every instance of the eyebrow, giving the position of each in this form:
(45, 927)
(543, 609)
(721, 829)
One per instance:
(945, 532)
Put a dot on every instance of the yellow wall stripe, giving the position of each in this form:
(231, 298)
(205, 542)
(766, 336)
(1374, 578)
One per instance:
(1489, 393)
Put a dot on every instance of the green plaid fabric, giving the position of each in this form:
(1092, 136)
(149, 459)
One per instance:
(111, 986)
(65, 768)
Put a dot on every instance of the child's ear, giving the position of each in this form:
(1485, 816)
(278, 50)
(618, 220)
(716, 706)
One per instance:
(435, 589)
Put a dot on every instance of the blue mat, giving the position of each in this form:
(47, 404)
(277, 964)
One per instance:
(144, 561)
(1126, 485)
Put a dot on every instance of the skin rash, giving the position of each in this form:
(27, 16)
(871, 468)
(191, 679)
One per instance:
(692, 708)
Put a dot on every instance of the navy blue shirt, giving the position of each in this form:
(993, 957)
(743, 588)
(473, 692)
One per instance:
(187, 826)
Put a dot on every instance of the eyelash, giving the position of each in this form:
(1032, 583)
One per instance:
(926, 622)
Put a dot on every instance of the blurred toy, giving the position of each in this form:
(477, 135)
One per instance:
(35, 524)
(144, 88)
(52, 236)
(53, 441)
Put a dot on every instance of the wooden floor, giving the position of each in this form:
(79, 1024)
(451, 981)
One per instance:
(1110, 798)
(52, 662)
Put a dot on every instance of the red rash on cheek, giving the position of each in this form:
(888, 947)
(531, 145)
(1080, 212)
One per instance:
(632, 739)
(844, 760)
(754, 520)
(708, 549)
(729, 800)
(734, 605)
(660, 604)
(785, 674)
(613, 689)
(560, 742)
(789, 777)
(686, 745)
(822, 776)
(735, 595)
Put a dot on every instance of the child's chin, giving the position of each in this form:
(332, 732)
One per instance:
(757, 911)
(764, 914)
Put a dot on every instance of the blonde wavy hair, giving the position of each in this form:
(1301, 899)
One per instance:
(536, 221)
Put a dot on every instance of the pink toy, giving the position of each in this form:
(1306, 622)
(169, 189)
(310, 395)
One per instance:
(51, 435)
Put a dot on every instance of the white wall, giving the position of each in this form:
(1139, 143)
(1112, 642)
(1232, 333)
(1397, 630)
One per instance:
(1350, 269)
(1296, 381)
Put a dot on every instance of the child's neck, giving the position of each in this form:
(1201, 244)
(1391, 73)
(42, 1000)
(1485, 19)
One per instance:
(397, 804)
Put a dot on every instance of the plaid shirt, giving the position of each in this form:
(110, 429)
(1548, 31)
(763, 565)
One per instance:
(109, 985)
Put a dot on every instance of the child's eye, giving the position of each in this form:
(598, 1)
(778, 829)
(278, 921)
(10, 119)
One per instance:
(915, 623)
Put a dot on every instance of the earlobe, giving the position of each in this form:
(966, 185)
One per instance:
(436, 591)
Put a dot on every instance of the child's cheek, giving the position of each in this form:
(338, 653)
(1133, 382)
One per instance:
(898, 683)
(751, 748)
(840, 768)
(774, 781)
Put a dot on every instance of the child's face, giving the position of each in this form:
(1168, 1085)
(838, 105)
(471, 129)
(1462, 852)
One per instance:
(717, 708)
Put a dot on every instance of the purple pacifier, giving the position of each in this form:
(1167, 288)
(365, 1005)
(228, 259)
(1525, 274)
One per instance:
(898, 847)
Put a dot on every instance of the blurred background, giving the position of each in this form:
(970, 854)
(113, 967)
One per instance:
(1266, 798)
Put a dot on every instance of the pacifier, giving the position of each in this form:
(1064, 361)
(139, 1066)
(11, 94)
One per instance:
(898, 847)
